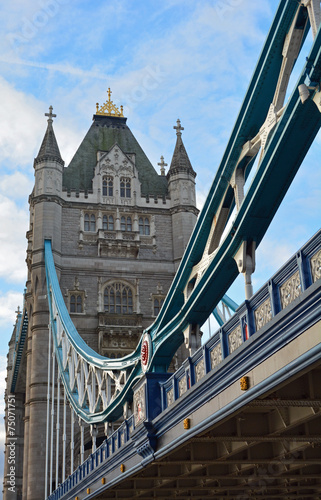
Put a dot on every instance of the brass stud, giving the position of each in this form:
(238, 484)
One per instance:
(122, 468)
(244, 383)
(187, 423)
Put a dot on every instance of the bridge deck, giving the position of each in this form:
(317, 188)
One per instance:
(201, 434)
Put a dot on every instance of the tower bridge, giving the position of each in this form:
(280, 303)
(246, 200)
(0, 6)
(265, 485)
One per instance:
(115, 396)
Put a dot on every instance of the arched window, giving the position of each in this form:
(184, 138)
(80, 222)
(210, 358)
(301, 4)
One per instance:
(86, 225)
(76, 303)
(92, 223)
(108, 223)
(73, 303)
(104, 186)
(108, 186)
(158, 302)
(126, 223)
(125, 187)
(144, 226)
(118, 299)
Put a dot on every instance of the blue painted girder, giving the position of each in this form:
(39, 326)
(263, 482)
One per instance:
(251, 117)
(288, 145)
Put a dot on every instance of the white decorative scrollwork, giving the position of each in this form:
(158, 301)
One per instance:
(170, 396)
(315, 263)
(139, 405)
(235, 339)
(182, 386)
(216, 355)
(290, 290)
(199, 370)
(263, 314)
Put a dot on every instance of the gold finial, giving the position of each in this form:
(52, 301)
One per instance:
(109, 108)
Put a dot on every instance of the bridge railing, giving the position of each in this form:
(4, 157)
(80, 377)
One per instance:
(303, 269)
(104, 452)
(281, 292)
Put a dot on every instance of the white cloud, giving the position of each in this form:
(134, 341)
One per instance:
(12, 240)
(8, 305)
(20, 134)
(18, 185)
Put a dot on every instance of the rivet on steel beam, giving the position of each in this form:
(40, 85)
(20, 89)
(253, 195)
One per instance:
(187, 423)
(244, 383)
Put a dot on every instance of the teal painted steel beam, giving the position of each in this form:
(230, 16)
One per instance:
(288, 143)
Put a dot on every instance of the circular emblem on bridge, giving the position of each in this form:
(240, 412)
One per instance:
(146, 351)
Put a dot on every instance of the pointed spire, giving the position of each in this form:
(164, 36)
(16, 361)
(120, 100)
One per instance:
(180, 161)
(49, 148)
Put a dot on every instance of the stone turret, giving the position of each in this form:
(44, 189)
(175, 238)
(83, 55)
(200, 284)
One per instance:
(48, 164)
(45, 223)
(181, 188)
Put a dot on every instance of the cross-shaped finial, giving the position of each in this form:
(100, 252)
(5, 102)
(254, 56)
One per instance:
(162, 165)
(109, 93)
(18, 311)
(50, 114)
(178, 128)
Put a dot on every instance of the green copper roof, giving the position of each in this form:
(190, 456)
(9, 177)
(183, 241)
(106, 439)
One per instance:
(102, 135)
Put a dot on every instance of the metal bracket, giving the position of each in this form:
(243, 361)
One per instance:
(245, 260)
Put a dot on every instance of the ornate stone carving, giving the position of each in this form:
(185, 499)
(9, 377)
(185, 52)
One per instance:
(290, 290)
(170, 397)
(199, 370)
(182, 386)
(315, 263)
(139, 405)
(263, 314)
(216, 355)
(235, 339)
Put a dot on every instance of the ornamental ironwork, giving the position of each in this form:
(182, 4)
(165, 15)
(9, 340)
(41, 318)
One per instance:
(235, 339)
(263, 314)
(216, 355)
(290, 290)
(315, 263)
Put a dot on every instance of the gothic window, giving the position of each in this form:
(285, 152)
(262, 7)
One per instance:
(87, 226)
(92, 223)
(125, 187)
(144, 226)
(158, 302)
(108, 186)
(104, 186)
(126, 224)
(108, 223)
(76, 302)
(118, 299)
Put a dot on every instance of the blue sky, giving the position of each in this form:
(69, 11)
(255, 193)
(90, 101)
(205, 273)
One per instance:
(184, 59)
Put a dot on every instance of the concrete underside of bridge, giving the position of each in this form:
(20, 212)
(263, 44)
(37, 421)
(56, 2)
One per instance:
(270, 449)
